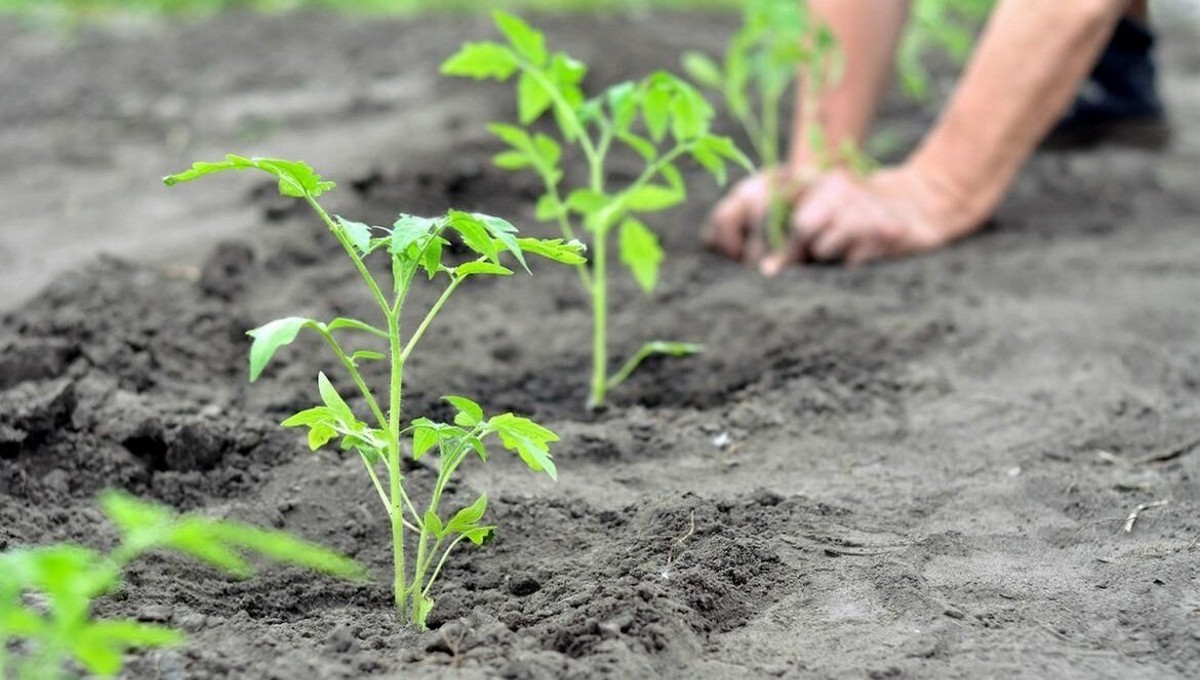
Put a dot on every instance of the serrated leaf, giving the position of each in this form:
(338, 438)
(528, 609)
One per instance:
(503, 231)
(529, 440)
(474, 234)
(701, 68)
(358, 233)
(641, 252)
(570, 252)
(528, 42)
(410, 229)
(424, 439)
(532, 98)
(481, 60)
(644, 147)
(656, 111)
(466, 519)
(469, 414)
(512, 135)
(296, 179)
(431, 256)
(269, 338)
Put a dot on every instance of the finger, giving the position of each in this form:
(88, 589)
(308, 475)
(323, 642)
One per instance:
(864, 251)
(832, 244)
(726, 231)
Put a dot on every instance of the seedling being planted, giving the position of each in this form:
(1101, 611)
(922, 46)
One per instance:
(47, 593)
(778, 42)
(414, 246)
(661, 118)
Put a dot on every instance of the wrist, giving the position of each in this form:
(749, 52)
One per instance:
(949, 204)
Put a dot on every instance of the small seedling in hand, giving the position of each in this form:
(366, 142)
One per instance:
(661, 118)
(778, 42)
(414, 246)
(47, 593)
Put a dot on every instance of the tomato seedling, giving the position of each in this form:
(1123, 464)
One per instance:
(661, 118)
(413, 245)
(47, 593)
(778, 42)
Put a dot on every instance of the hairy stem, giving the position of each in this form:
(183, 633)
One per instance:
(393, 431)
(599, 318)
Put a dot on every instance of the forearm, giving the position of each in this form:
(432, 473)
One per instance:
(867, 33)
(1024, 74)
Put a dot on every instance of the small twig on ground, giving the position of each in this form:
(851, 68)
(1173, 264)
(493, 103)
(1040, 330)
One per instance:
(1133, 516)
(678, 544)
(1170, 454)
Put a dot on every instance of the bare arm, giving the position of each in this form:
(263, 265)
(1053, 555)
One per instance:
(867, 32)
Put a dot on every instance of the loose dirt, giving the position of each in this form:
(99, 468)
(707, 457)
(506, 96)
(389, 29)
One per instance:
(916, 469)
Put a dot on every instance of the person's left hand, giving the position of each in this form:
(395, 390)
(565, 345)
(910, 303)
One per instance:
(844, 218)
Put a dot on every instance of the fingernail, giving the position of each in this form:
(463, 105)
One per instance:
(771, 266)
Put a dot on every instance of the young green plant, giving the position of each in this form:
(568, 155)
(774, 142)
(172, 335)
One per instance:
(415, 247)
(660, 118)
(778, 42)
(47, 593)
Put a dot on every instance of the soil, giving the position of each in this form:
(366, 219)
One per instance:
(916, 469)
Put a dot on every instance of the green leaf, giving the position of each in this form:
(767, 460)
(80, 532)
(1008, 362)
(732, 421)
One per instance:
(548, 151)
(284, 548)
(410, 229)
(529, 42)
(656, 111)
(358, 233)
(354, 324)
(503, 231)
(296, 179)
(334, 400)
(512, 136)
(320, 434)
(270, 337)
(512, 160)
(548, 208)
(313, 416)
(424, 605)
(425, 437)
(481, 60)
(652, 198)
(469, 414)
(433, 524)
(530, 441)
(644, 147)
(480, 535)
(641, 252)
(587, 202)
(703, 70)
(532, 98)
(570, 252)
(466, 519)
(473, 268)
(690, 113)
(474, 234)
(367, 355)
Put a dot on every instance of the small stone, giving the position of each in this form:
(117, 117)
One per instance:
(524, 585)
(954, 613)
(155, 613)
(341, 640)
(193, 623)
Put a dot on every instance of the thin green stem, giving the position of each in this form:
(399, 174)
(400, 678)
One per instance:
(433, 312)
(564, 223)
(599, 318)
(441, 562)
(348, 363)
(354, 257)
(393, 430)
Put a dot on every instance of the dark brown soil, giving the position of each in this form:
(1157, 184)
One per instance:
(917, 469)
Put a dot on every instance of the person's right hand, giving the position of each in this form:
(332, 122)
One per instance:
(735, 226)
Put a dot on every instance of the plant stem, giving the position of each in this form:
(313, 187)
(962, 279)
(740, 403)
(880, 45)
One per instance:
(354, 257)
(433, 311)
(599, 318)
(393, 432)
(348, 363)
(438, 569)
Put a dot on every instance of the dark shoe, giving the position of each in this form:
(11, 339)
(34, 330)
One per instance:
(1119, 103)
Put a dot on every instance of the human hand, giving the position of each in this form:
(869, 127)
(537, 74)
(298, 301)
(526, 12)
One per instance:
(848, 219)
(736, 226)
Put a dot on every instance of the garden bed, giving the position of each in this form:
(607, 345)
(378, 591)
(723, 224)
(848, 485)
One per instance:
(916, 469)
